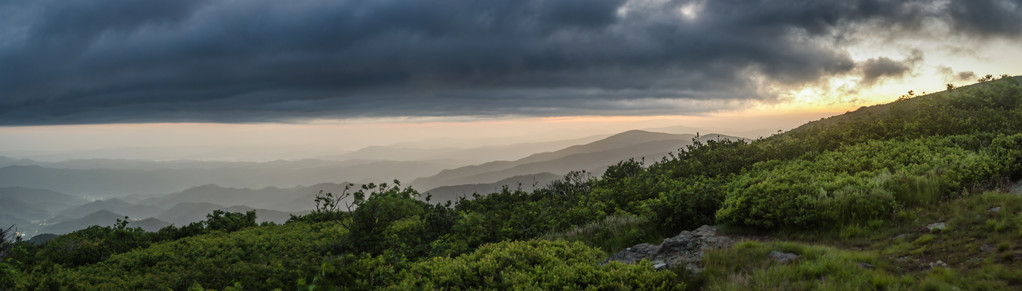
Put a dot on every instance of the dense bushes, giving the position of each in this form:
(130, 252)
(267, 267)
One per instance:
(865, 181)
(534, 264)
(264, 257)
(684, 204)
(613, 233)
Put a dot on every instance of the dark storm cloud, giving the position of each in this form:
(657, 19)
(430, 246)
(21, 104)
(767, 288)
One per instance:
(261, 60)
(988, 17)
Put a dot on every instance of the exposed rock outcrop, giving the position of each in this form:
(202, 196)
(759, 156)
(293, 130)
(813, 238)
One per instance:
(782, 257)
(684, 250)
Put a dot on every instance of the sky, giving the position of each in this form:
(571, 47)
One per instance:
(198, 78)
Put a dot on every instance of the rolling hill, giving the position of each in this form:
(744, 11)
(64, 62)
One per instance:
(593, 157)
(49, 200)
(101, 218)
(21, 209)
(527, 182)
(284, 199)
(188, 212)
(408, 152)
(157, 179)
(113, 205)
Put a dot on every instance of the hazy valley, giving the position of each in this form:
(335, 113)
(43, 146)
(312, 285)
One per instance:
(60, 197)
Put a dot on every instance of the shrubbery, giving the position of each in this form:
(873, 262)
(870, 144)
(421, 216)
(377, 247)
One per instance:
(264, 257)
(534, 264)
(865, 181)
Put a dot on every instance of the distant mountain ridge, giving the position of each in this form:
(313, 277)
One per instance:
(593, 157)
(483, 153)
(188, 212)
(114, 205)
(527, 183)
(284, 199)
(108, 183)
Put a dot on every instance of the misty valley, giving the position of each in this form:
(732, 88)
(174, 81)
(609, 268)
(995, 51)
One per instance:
(60, 197)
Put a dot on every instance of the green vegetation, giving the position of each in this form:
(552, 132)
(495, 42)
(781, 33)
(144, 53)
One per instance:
(979, 248)
(851, 195)
(533, 264)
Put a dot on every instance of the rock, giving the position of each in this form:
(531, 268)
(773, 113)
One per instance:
(635, 253)
(865, 265)
(660, 266)
(987, 248)
(686, 249)
(782, 257)
(995, 209)
(938, 264)
(936, 226)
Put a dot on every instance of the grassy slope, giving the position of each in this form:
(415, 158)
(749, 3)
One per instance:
(981, 246)
(982, 250)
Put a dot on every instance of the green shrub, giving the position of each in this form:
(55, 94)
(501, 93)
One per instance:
(264, 257)
(613, 233)
(536, 264)
(864, 181)
(684, 204)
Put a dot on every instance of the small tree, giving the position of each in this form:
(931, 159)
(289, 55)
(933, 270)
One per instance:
(230, 221)
(8, 237)
(327, 202)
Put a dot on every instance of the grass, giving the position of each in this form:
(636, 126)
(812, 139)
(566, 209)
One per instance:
(747, 266)
(612, 234)
(982, 250)
(980, 247)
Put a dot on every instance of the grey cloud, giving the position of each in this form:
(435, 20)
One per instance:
(950, 76)
(988, 17)
(876, 68)
(966, 76)
(261, 60)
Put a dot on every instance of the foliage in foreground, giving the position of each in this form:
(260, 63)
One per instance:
(979, 247)
(277, 255)
(528, 265)
(866, 181)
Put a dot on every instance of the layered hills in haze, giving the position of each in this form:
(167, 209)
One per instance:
(154, 194)
(593, 157)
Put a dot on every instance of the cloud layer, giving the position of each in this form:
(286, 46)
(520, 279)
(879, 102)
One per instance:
(107, 61)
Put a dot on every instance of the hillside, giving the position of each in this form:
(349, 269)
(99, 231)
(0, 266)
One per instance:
(187, 212)
(527, 183)
(592, 157)
(21, 209)
(155, 178)
(284, 199)
(101, 218)
(50, 200)
(477, 154)
(113, 205)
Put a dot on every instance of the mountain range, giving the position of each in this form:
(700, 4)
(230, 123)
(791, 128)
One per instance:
(592, 157)
(154, 194)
